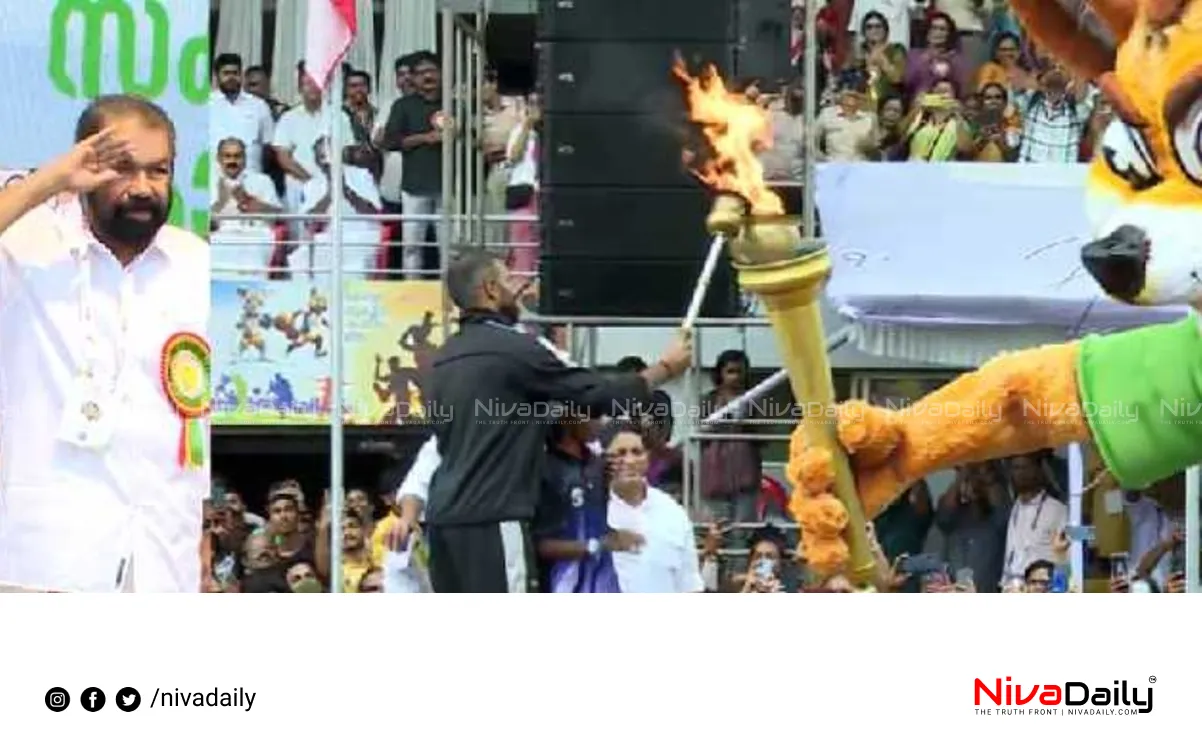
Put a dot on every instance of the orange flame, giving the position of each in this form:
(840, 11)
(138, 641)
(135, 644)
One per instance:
(736, 130)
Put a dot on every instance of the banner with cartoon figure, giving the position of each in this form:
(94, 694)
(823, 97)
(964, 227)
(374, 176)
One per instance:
(59, 54)
(271, 350)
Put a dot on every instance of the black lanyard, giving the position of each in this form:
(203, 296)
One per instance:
(1038, 511)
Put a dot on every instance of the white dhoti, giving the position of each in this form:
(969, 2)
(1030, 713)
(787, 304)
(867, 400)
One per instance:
(241, 251)
(360, 248)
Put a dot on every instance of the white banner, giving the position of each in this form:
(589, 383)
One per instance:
(59, 54)
(965, 244)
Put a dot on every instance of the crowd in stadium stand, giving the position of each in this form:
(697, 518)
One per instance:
(899, 80)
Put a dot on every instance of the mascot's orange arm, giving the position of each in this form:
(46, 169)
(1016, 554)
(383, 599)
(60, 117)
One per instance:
(1016, 403)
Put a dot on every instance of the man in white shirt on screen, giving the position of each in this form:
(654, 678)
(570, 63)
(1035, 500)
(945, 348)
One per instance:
(103, 367)
(295, 136)
(1036, 518)
(241, 247)
(360, 238)
(236, 113)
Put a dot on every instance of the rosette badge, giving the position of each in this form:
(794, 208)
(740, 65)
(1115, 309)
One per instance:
(187, 382)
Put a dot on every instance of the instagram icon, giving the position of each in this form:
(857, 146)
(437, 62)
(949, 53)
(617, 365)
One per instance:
(57, 699)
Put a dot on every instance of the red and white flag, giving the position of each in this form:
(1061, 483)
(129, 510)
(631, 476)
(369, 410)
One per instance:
(329, 33)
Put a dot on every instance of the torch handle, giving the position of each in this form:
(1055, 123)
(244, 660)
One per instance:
(703, 281)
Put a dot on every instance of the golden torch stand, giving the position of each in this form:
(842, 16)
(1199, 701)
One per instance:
(788, 273)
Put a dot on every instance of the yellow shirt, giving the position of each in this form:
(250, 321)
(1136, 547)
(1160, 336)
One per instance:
(379, 537)
(353, 571)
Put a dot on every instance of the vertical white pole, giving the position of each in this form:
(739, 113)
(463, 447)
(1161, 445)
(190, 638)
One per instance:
(1193, 492)
(334, 101)
(1076, 488)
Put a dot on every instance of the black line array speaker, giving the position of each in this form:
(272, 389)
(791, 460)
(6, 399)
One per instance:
(622, 219)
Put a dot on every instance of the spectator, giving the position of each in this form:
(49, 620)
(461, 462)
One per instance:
(358, 503)
(995, 136)
(847, 131)
(257, 82)
(667, 560)
(393, 532)
(356, 86)
(238, 115)
(224, 571)
(938, 59)
(295, 143)
(360, 239)
(883, 60)
(356, 552)
(731, 469)
(972, 515)
(891, 138)
(500, 117)
(484, 492)
(971, 19)
(895, 13)
(245, 244)
(392, 168)
(283, 522)
(521, 193)
(784, 161)
(766, 563)
(301, 577)
(665, 469)
(573, 542)
(237, 507)
(902, 527)
(1006, 68)
(1053, 121)
(416, 127)
(259, 554)
(1095, 129)
(1152, 538)
(937, 131)
(1037, 577)
(1036, 517)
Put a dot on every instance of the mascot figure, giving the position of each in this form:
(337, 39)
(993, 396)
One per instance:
(1136, 395)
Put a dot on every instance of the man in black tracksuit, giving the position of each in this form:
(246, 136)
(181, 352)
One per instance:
(492, 395)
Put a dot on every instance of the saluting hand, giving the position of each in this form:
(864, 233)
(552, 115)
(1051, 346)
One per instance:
(92, 163)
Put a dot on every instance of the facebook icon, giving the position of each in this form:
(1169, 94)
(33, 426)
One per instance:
(92, 699)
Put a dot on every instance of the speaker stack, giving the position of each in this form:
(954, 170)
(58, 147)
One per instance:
(622, 220)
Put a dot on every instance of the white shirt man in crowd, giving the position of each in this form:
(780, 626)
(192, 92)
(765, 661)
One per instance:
(295, 136)
(360, 239)
(1150, 528)
(1036, 518)
(93, 493)
(667, 561)
(238, 114)
(241, 246)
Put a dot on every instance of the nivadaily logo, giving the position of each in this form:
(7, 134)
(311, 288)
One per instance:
(1067, 698)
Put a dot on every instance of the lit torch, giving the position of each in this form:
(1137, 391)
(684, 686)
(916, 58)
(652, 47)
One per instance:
(787, 272)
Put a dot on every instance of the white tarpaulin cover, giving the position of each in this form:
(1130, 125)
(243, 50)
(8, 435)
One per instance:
(949, 263)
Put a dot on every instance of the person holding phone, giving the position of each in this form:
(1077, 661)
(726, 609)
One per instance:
(972, 516)
(766, 563)
(937, 130)
(995, 136)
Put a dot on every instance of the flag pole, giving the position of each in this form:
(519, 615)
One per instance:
(335, 143)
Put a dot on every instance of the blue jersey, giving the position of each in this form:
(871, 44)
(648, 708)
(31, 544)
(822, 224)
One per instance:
(572, 507)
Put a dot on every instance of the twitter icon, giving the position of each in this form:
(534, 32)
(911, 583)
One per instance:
(128, 699)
